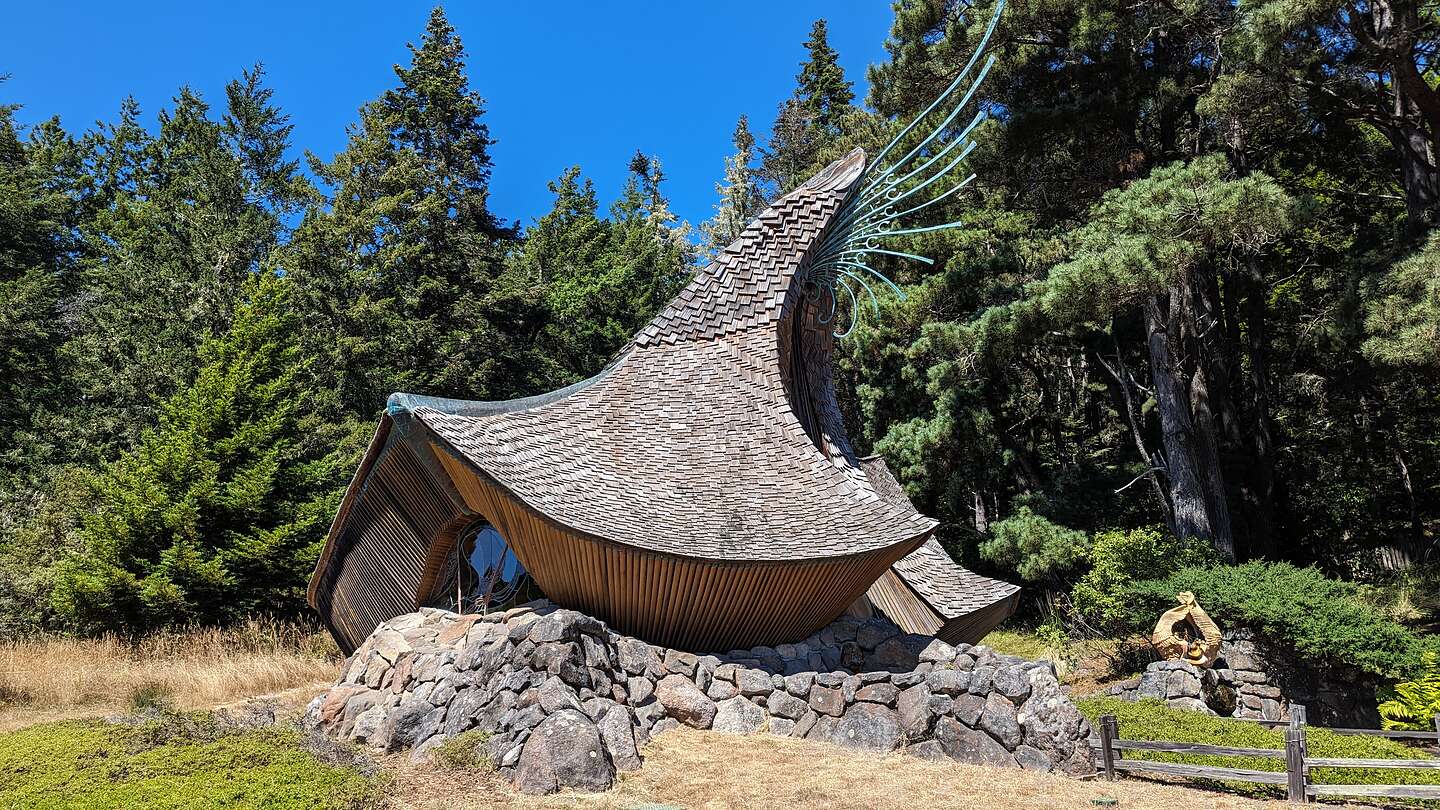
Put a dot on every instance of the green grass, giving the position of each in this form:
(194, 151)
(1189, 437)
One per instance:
(164, 764)
(1153, 720)
(1015, 642)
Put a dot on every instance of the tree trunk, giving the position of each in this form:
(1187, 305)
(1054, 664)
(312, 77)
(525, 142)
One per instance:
(1185, 311)
(1187, 493)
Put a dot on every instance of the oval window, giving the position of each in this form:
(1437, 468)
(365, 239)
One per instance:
(498, 574)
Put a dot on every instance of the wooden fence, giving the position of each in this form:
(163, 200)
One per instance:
(1296, 755)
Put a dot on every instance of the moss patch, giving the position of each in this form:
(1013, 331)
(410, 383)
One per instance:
(92, 764)
(1153, 720)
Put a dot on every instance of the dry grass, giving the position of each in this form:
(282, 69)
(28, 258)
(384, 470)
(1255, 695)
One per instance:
(699, 770)
(59, 678)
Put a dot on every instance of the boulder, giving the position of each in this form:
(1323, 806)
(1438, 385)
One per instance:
(868, 727)
(826, 701)
(970, 745)
(565, 752)
(738, 716)
(913, 708)
(999, 719)
(684, 701)
(617, 733)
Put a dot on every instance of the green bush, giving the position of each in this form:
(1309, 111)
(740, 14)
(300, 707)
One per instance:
(1033, 547)
(1119, 558)
(1153, 720)
(1325, 620)
(1414, 704)
(170, 764)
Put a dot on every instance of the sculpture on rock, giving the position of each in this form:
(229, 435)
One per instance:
(1200, 646)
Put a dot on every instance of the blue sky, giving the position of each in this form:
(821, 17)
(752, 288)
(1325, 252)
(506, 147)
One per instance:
(566, 83)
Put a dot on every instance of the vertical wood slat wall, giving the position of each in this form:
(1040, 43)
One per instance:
(681, 602)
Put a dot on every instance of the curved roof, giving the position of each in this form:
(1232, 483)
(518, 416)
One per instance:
(688, 443)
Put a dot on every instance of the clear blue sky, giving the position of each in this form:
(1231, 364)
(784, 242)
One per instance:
(565, 82)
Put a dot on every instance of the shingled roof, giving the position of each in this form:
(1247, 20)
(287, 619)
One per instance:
(688, 443)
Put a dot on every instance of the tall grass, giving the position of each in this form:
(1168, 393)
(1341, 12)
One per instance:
(189, 667)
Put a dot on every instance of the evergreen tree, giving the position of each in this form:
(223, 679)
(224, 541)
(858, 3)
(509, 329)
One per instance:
(822, 89)
(215, 514)
(809, 125)
(740, 196)
(402, 274)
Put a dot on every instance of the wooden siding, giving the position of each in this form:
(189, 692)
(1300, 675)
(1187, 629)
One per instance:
(701, 605)
(899, 601)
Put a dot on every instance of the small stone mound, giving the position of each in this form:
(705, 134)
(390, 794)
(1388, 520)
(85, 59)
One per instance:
(568, 703)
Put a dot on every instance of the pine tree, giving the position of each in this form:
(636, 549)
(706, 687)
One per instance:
(215, 514)
(821, 85)
(740, 196)
(402, 275)
(810, 124)
(173, 226)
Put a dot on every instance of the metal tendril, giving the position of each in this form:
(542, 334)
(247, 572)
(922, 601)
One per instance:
(872, 213)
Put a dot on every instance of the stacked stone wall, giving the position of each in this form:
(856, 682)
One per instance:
(1259, 679)
(566, 702)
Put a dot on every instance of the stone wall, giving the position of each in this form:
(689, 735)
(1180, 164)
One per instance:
(1258, 679)
(567, 702)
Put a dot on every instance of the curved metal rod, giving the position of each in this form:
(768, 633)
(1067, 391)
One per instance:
(854, 310)
(984, 40)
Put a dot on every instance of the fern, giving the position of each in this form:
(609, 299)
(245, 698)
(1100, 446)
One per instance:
(1413, 705)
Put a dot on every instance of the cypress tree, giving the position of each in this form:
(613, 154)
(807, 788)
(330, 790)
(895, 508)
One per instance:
(740, 196)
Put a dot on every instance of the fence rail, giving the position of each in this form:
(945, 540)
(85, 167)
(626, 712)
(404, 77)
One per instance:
(1298, 762)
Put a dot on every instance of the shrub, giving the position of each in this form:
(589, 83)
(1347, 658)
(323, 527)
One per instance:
(1119, 558)
(152, 695)
(1033, 547)
(1153, 720)
(1322, 619)
(465, 752)
(1414, 704)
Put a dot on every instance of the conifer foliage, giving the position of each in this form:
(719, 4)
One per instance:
(216, 513)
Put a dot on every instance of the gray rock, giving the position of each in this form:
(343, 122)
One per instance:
(913, 707)
(882, 693)
(1033, 759)
(999, 719)
(905, 680)
(968, 708)
(684, 701)
(849, 687)
(556, 695)
(929, 749)
(948, 681)
(1190, 704)
(804, 724)
(663, 725)
(563, 625)
(721, 690)
(1012, 682)
(367, 727)
(648, 714)
(785, 705)
(639, 690)
(875, 632)
(781, 727)
(799, 683)
(754, 682)
(851, 656)
(738, 716)
(565, 752)
(895, 654)
(422, 752)
(680, 663)
(937, 652)
(404, 723)
(980, 678)
(868, 727)
(969, 745)
(529, 717)
(636, 657)
(830, 679)
(617, 733)
(827, 701)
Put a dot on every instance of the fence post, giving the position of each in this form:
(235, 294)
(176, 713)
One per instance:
(1297, 776)
(1109, 730)
(1437, 732)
